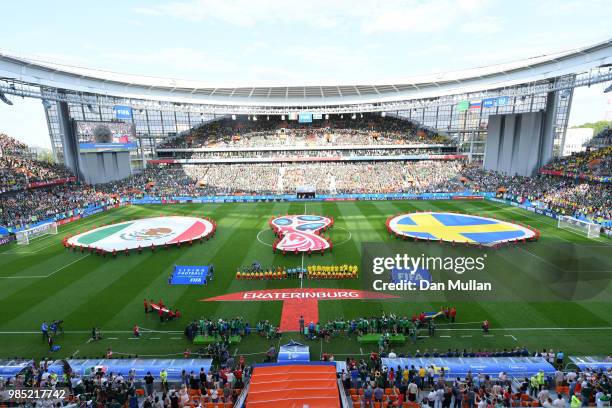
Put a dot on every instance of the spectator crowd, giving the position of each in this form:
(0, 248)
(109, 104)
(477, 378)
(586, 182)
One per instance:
(367, 381)
(593, 163)
(565, 195)
(18, 169)
(20, 205)
(273, 131)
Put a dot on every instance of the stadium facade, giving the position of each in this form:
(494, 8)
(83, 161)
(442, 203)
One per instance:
(455, 103)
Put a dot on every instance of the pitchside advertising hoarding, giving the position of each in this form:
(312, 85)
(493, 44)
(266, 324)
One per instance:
(96, 136)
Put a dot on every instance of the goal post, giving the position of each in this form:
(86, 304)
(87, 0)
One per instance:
(590, 229)
(23, 237)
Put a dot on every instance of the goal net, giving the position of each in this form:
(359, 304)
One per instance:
(591, 230)
(24, 237)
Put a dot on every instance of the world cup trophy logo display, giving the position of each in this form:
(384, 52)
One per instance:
(301, 233)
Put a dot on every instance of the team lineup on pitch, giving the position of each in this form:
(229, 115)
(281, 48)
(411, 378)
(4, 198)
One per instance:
(113, 286)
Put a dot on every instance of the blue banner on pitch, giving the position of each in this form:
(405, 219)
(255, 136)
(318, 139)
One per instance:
(294, 351)
(409, 274)
(189, 275)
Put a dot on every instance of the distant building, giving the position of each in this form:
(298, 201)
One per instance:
(576, 140)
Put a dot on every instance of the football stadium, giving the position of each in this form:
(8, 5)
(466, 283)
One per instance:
(423, 242)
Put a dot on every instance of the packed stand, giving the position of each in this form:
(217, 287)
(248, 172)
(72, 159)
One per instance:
(292, 153)
(563, 195)
(196, 388)
(18, 170)
(11, 146)
(17, 173)
(593, 163)
(370, 383)
(568, 196)
(272, 131)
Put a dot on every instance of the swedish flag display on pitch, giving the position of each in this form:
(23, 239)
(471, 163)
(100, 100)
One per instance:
(457, 228)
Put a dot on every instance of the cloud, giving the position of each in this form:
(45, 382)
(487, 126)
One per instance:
(484, 25)
(248, 13)
(378, 16)
(423, 16)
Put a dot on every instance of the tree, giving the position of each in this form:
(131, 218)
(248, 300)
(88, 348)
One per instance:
(596, 126)
(45, 155)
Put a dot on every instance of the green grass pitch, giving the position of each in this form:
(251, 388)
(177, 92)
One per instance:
(43, 281)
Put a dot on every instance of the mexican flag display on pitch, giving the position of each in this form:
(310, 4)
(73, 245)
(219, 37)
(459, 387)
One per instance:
(143, 233)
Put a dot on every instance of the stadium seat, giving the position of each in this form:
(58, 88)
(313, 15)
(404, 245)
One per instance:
(355, 397)
(388, 391)
(353, 391)
(357, 404)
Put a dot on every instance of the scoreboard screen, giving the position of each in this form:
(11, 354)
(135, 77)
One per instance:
(105, 136)
(305, 118)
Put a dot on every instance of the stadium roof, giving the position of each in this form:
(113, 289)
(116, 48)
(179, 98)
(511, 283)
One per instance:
(532, 70)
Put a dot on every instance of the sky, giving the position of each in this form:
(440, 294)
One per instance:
(294, 42)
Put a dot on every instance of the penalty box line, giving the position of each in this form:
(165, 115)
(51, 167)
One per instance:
(45, 276)
(89, 332)
(69, 228)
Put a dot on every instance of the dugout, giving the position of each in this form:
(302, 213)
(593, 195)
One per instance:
(140, 366)
(12, 368)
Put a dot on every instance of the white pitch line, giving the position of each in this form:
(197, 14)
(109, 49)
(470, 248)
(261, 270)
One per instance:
(112, 338)
(259, 239)
(448, 337)
(89, 332)
(176, 338)
(13, 252)
(45, 276)
(154, 338)
(543, 221)
(468, 335)
(65, 231)
(456, 324)
(536, 328)
(542, 259)
(510, 335)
